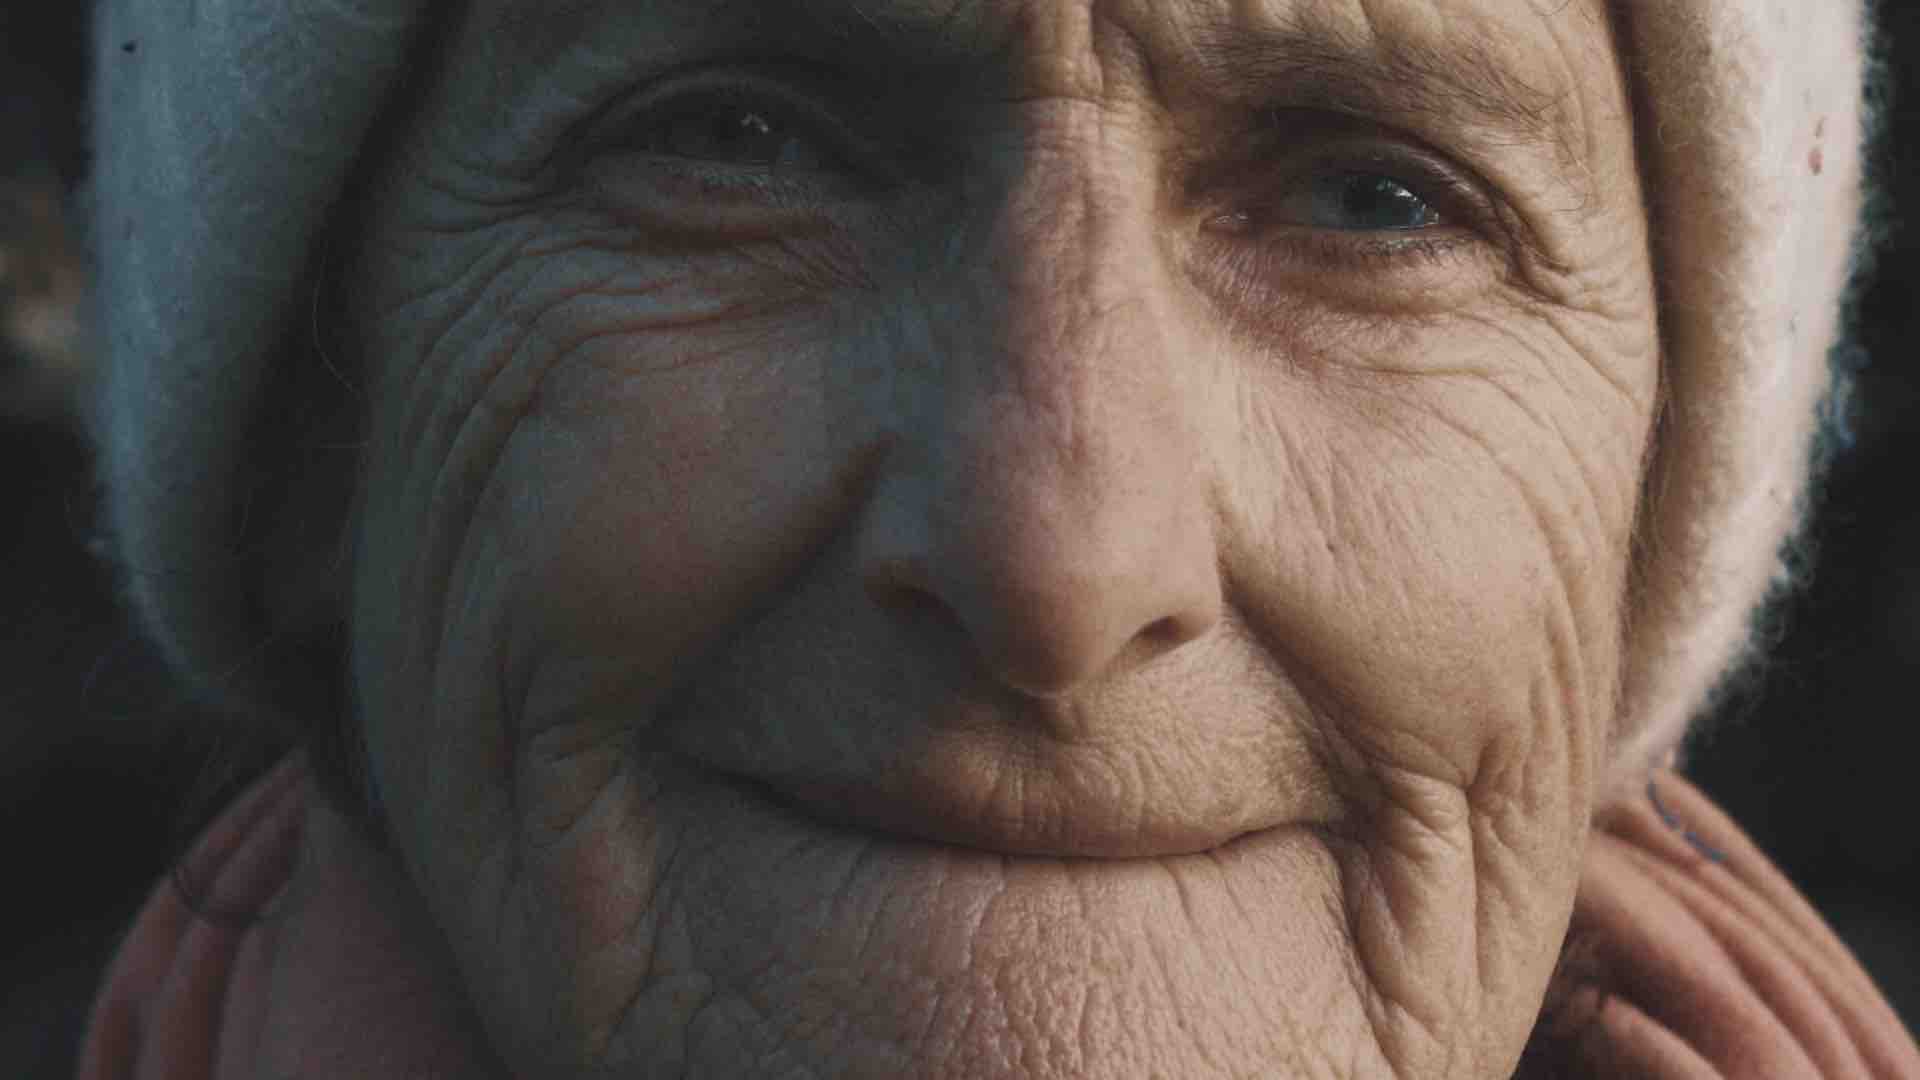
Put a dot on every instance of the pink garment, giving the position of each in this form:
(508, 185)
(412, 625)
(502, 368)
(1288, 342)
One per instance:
(1690, 956)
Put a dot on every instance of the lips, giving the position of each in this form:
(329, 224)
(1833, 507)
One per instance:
(938, 807)
(1107, 780)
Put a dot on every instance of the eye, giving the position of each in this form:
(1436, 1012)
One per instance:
(1342, 185)
(732, 155)
(1358, 218)
(1378, 198)
(735, 128)
(1357, 202)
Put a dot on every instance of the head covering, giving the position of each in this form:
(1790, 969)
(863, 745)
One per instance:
(224, 132)
(1751, 126)
(227, 129)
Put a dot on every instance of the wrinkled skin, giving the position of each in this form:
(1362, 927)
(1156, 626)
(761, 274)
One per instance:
(984, 556)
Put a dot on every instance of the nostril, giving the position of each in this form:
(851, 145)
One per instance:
(904, 599)
(894, 588)
(1164, 635)
(1163, 631)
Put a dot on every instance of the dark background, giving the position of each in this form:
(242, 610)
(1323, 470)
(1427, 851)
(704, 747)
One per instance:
(98, 749)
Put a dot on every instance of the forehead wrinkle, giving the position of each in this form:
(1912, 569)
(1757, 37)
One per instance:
(1235, 52)
(541, 29)
(1426, 66)
(868, 29)
(1279, 36)
(1361, 67)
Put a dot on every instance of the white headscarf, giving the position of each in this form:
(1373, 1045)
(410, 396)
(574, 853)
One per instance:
(226, 130)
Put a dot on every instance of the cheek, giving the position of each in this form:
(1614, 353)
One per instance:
(579, 401)
(563, 505)
(670, 501)
(1448, 531)
(575, 450)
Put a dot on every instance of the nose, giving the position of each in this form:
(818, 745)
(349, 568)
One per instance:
(1050, 504)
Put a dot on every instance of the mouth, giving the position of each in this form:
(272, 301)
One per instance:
(873, 911)
(927, 810)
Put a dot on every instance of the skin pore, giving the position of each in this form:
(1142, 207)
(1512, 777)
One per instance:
(1006, 537)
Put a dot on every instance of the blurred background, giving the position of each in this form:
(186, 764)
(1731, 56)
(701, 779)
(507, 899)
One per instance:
(98, 749)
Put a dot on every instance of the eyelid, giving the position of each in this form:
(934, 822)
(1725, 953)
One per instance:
(1287, 145)
(1261, 266)
(801, 90)
(1457, 199)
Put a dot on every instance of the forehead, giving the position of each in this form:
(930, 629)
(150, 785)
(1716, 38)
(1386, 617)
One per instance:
(1528, 94)
(957, 28)
(1509, 63)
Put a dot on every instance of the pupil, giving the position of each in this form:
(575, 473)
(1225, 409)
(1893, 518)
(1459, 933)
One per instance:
(725, 133)
(741, 126)
(1378, 202)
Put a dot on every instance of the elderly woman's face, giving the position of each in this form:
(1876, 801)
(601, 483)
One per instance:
(1014, 537)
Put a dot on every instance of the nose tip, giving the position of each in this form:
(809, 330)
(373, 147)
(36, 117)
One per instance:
(1045, 626)
(1053, 661)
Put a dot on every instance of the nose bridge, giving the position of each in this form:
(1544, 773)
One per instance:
(1070, 329)
(1076, 409)
(1062, 516)
(1067, 271)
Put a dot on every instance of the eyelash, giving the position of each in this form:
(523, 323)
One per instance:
(1457, 204)
(622, 132)
(1466, 217)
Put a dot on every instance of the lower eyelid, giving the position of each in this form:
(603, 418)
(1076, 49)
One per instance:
(655, 184)
(1436, 271)
(1433, 244)
(702, 218)
(1346, 244)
